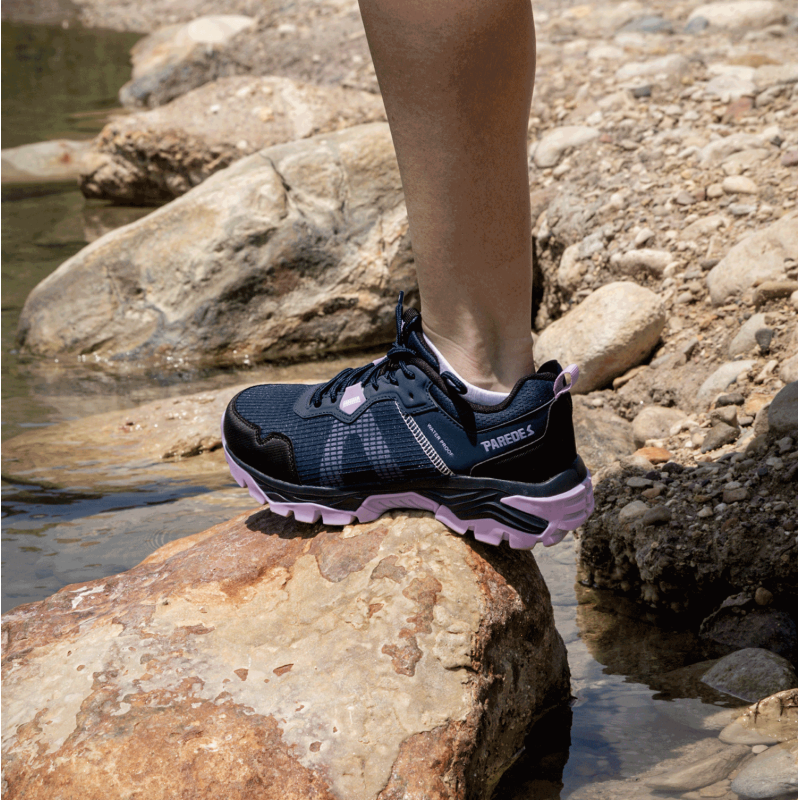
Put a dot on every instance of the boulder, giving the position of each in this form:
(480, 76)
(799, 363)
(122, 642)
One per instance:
(758, 258)
(157, 155)
(612, 330)
(180, 57)
(742, 14)
(770, 774)
(292, 252)
(771, 720)
(45, 162)
(783, 411)
(751, 674)
(548, 151)
(270, 658)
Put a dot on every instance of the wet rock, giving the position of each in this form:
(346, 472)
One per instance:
(758, 258)
(751, 674)
(285, 254)
(764, 628)
(702, 773)
(414, 626)
(155, 156)
(44, 162)
(549, 150)
(719, 435)
(742, 14)
(771, 720)
(653, 262)
(769, 774)
(178, 58)
(654, 422)
(783, 411)
(721, 378)
(607, 334)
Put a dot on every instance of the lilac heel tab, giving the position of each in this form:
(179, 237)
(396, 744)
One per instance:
(560, 385)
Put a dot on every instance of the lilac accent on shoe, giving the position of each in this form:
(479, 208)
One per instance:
(379, 360)
(243, 478)
(311, 512)
(564, 512)
(560, 385)
(352, 398)
(374, 506)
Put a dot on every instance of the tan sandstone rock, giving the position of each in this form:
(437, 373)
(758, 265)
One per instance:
(157, 155)
(269, 658)
(292, 252)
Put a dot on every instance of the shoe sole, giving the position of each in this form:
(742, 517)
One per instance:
(555, 514)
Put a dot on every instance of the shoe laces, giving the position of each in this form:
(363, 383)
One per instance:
(397, 358)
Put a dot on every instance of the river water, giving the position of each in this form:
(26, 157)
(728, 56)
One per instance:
(631, 709)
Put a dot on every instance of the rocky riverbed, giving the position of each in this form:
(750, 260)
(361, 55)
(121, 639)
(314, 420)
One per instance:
(663, 167)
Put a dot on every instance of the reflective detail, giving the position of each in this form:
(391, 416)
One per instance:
(426, 446)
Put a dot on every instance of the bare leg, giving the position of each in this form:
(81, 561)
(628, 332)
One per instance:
(457, 79)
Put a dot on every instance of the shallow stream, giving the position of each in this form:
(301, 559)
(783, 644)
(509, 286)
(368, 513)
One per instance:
(62, 83)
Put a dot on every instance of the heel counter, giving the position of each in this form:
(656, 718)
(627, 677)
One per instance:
(541, 460)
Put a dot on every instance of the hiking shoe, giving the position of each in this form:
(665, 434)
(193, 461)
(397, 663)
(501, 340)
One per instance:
(398, 433)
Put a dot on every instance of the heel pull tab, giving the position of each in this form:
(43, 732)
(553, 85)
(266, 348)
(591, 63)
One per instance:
(560, 385)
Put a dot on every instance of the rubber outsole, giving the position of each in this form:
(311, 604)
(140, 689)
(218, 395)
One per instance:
(562, 512)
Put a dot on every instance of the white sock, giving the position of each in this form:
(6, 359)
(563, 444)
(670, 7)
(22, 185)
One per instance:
(474, 394)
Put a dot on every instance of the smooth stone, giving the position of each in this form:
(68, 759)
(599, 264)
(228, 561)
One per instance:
(309, 661)
(751, 674)
(745, 339)
(670, 65)
(771, 720)
(648, 24)
(655, 422)
(758, 258)
(719, 149)
(730, 87)
(739, 184)
(612, 330)
(44, 162)
(548, 151)
(632, 511)
(641, 260)
(721, 379)
(769, 774)
(775, 74)
(704, 226)
(751, 14)
(783, 411)
(702, 773)
(288, 253)
(788, 369)
(719, 435)
(773, 290)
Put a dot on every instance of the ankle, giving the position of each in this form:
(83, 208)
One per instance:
(491, 363)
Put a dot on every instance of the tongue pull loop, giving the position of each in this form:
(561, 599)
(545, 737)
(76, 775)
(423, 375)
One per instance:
(560, 385)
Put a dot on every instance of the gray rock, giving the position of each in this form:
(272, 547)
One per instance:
(178, 58)
(760, 257)
(632, 511)
(612, 330)
(783, 411)
(648, 24)
(769, 774)
(726, 413)
(290, 252)
(654, 422)
(751, 674)
(765, 628)
(155, 156)
(719, 435)
(721, 379)
(745, 339)
(657, 515)
(764, 339)
(750, 14)
(645, 260)
(700, 774)
(742, 209)
(696, 25)
(548, 151)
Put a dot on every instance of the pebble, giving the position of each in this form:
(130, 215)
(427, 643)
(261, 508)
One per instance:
(742, 209)
(763, 596)
(656, 515)
(721, 378)
(726, 414)
(764, 339)
(735, 495)
(632, 511)
(732, 399)
(643, 260)
(655, 455)
(745, 340)
(789, 158)
(639, 483)
(719, 435)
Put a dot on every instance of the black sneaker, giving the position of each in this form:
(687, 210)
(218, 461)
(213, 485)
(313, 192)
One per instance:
(398, 433)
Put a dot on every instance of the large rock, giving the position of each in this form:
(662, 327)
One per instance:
(771, 720)
(751, 674)
(45, 162)
(269, 658)
(297, 250)
(155, 156)
(783, 411)
(741, 14)
(612, 330)
(770, 774)
(180, 57)
(760, 257)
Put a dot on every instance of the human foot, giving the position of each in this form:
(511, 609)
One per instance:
(398, 433)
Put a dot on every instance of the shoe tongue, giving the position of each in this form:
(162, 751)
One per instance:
(413, 338)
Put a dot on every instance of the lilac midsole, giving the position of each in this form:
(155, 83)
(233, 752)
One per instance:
(563, 512)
